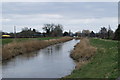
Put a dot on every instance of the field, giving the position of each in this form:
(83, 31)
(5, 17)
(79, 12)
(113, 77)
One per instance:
(104, 64)
(9, 40)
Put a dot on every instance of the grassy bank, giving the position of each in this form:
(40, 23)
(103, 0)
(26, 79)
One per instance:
(12, 49)
(104, 63)
(9, 40)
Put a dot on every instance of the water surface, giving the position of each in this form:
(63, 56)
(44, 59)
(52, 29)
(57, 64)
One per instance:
(51, 62)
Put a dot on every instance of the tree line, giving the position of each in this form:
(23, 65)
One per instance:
(56, 30)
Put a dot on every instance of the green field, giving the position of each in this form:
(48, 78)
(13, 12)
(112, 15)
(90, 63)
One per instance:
(9, 40)
(103, 65)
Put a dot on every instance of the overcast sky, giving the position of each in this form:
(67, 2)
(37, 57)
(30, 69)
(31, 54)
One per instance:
(74, 16)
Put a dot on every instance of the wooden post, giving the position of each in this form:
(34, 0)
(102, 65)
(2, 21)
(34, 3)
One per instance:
(15, 32)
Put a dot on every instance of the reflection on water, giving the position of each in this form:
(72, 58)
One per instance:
(23, 57)
(58, 47)
(51, 62)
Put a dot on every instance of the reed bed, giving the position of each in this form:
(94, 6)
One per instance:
(13, 49)
(82, 52)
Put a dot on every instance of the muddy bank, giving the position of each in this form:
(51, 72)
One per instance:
(82, 52)
(13, 49)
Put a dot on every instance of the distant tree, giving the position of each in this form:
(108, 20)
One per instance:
(92, 34)
(34, 30)
(57, 31)
(97, 35)
(117, 33)
(85, 33)
(53, 30)
(103, 33)
(12, 34)
(48, 28)
(65, 34)
(28, 33)
(44, 34)
(78, 34)
(4, 33)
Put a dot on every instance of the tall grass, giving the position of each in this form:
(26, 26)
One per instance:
(12, 49)
(83, 50)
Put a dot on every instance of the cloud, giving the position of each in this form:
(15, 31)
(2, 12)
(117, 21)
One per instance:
(69, 24)
(36, 19)
(80, 9)
(5, 20)
(50, 16)
(73, 16)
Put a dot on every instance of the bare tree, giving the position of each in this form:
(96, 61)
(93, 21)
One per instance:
(57, 30)
(48, 28)
(103, 33)
(53, 30)
(85, 33)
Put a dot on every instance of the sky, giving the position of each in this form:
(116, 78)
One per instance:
(74, 16)
(60, 0)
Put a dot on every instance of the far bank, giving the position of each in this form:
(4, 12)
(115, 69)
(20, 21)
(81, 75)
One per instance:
(13, 49)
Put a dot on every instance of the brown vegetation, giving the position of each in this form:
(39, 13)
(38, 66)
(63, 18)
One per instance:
(82, 52)
(12, 49)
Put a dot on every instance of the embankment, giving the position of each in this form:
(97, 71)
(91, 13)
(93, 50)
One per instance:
(13, 49)
(104, 63)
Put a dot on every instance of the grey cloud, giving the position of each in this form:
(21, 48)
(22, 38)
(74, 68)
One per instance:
(73, 15)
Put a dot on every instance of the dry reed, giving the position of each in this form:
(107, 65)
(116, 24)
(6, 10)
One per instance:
(82, 52)
(12, 49)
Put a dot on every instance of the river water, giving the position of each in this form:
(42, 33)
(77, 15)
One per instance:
(51, 62)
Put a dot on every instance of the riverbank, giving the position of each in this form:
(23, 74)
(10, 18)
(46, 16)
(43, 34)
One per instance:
(10, 40)
(13, 49)
(103, 64)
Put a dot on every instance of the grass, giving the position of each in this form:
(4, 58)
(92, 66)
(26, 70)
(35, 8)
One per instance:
(104, 64)
(9, 40)
(47, 38)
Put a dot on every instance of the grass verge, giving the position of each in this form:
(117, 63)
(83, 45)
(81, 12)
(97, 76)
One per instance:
(104, 64)
(9, 40)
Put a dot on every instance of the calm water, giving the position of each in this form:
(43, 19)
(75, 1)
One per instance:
(51, 62)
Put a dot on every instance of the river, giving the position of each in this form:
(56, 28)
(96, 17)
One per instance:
(51, 62)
